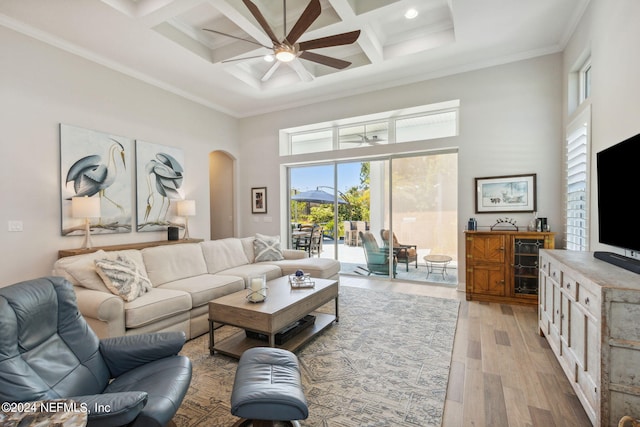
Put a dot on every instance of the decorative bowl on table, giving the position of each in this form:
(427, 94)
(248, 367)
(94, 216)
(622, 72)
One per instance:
(301, 280)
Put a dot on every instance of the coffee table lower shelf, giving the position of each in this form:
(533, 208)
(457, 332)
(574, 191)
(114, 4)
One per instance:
(237, 343)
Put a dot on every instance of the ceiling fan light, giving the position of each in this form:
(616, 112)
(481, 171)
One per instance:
(285, 56)
(285, 53)
(269, 58)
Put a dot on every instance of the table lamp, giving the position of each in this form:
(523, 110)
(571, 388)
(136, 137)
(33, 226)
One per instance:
(86, 207)
(186, 208)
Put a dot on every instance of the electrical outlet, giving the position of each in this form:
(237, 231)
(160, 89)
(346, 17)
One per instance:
(15, 225)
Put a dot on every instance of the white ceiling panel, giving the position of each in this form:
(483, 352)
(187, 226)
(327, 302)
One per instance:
(163, 42)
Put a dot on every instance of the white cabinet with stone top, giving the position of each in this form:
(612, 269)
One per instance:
(589, 311)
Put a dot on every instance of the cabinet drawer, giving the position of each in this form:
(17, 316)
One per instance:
(589, 301)
(555, 273)
(570, 285)
(588, 388)
(553, 338)
(544, 264)
(565, 319)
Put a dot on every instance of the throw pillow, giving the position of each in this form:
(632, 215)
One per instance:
(122, 277)
(267, 248)
(83, 270)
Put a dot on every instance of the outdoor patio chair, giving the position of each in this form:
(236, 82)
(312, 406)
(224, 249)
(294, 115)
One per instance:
(377, 257)
(361, 226)
(350, 233)
(404, 253)
(316, 240)
(309, 239)
(302, 237)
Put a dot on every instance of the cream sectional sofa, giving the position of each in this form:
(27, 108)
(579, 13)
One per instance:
(184, 278)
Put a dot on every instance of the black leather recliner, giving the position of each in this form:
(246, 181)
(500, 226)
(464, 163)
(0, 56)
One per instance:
(47, 351)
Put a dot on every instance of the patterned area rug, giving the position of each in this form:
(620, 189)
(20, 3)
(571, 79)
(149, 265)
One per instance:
(386, 363)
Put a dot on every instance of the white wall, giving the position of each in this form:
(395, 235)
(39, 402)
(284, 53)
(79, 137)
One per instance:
(610, 33)
(41, 87)
(510, 123)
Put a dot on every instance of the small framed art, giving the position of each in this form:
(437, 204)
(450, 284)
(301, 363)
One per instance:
(514, 193)
(259, 200)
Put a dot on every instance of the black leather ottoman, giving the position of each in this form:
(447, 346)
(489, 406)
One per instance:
(267, 388)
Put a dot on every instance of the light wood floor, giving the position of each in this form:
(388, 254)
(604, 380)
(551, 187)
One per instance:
(502, 372)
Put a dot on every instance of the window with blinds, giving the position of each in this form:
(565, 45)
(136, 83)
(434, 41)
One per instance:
(577, 178)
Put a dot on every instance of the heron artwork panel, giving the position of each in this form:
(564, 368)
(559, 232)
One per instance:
(159, 180)
(96, 164)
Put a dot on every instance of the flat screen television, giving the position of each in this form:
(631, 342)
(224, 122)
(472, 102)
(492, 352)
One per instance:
(618, 178)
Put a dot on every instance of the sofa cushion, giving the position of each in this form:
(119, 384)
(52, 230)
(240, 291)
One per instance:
(322, 268)
(222, 254)
(206, 287)
(173, 262)
(267, 248)
(294, 254)
(122, 277)
(155, 305)
(82, 268)
(247, 245)
(270, 270)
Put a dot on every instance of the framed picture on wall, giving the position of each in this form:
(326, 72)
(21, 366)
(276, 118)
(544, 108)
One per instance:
(515, 193)
(93, 164)
(160, 176)
(259, 200)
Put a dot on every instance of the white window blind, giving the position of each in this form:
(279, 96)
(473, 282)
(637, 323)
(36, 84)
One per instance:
(577, 224)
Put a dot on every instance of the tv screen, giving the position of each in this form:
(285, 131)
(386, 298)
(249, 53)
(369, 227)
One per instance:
(618, 169)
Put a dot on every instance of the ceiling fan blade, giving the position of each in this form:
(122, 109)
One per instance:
(335, 40)
(310, 14)
(263, 22)
(234, 37)
(302, 72)
(270, 71)
(325, 60)
(363, 141)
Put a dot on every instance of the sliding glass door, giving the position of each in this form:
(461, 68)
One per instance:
(422, 219)
(381, 217)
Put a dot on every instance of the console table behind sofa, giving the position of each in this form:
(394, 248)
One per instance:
(71, 252)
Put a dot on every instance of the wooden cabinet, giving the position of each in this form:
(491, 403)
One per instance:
(502, 266)
(588, 310)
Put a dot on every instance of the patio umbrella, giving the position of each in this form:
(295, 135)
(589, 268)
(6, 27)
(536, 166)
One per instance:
(317, 196)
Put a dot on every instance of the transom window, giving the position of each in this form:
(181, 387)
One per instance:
(585, 81)
(393, 127)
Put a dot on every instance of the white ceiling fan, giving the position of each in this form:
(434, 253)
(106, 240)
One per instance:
(364, 140)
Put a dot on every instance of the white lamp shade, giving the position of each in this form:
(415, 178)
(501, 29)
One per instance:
(186, 208)
(85, 207)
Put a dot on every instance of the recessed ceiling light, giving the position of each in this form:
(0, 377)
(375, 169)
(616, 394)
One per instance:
(411, 13)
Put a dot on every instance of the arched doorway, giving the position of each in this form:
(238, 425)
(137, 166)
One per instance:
(221, 195)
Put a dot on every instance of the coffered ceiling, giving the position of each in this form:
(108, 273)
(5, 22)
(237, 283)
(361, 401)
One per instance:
(163, 42)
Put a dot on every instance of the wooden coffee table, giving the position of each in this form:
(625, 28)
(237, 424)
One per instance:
(283, 307)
